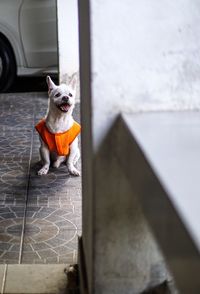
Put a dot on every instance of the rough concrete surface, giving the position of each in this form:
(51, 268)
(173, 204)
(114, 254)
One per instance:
(31, 279)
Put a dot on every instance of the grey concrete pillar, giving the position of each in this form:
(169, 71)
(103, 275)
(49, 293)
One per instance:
(68, 43)
(134, 56)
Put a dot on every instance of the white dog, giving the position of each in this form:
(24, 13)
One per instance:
(58, 130)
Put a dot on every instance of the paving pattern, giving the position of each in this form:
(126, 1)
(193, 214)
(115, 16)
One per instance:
(40, 217)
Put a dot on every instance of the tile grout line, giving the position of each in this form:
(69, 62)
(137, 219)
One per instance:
(4, 279)
(26, 200)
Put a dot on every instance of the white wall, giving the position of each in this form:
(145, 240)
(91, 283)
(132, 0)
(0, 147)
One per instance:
(67, 38)
(145, 56)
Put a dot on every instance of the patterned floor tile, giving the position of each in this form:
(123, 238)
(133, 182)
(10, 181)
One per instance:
(10, 238)
(49, 232)
(50, 244)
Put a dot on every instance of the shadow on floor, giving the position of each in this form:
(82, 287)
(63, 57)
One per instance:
(30, 84)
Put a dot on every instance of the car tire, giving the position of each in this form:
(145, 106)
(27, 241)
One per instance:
(7, 66)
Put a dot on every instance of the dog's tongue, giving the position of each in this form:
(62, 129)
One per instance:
(64, 107)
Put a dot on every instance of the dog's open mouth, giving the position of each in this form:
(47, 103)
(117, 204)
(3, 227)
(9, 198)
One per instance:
(64, 107)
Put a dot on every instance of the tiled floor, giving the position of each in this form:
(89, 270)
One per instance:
(40, 217)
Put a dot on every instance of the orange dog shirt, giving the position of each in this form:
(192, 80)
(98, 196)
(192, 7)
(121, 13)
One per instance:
(59, 142)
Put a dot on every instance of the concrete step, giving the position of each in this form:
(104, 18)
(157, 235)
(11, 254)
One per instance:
(33, 278)
(162, 152)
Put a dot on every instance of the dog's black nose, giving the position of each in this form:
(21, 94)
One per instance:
(65, 99)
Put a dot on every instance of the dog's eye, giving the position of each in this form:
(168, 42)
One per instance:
(58, 95)
(70, 95)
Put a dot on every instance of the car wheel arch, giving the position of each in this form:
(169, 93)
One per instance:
(13, 41)
(8, 66)
(5, 39)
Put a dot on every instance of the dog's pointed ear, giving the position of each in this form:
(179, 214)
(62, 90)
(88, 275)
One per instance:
(50, 83)
(73, 82)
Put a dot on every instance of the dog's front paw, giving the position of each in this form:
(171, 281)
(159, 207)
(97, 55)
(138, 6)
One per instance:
(43, 171)
(73, 171)
(56, 164)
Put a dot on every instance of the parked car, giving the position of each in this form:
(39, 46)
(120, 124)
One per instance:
(28, 39)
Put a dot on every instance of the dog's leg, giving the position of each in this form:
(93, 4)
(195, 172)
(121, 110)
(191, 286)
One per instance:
(59, 160)
(73, 155)
(77, 156)
(45, 156)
